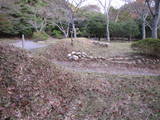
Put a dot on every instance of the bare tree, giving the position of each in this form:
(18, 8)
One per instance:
(144, 16)
(140, 9)
(106, 7)
(72, 7)
(58, 16)
(154, 7)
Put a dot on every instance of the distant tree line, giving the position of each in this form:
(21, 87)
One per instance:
(61, 18)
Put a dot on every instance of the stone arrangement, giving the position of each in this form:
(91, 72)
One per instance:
(75, 56)
(102, 44)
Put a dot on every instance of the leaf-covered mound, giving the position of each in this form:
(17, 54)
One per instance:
(31, 88)
(61, 49)
(148, 46)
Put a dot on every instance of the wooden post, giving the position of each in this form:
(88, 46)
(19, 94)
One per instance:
(23, 40)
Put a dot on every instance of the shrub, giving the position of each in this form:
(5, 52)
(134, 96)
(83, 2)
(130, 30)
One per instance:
(40, 36)
(148, 46)
(57, 34)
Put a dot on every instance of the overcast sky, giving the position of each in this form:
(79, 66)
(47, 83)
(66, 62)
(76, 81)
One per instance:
(115, 3)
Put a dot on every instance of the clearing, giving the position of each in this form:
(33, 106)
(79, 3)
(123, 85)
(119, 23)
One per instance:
(119, 58)
(123, 86)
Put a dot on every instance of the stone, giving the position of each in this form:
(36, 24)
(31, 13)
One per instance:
(78, 53)
(91, 57)
(69, 55)
(84, 53)
(73, 52)
(74, 57)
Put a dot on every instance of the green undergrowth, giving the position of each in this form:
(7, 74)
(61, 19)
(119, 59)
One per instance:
(148, 46)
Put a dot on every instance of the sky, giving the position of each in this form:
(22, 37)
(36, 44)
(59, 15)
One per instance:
(115, 3)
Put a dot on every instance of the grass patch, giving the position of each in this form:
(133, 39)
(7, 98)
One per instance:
(59, 50)
(121, 97)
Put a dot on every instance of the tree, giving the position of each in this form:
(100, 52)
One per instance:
(139, 11)
(11, 22)
(72, 7)
(106, 7)
(114, 14)
(96, 25)
(85, 14)
(34, 13)
(58, 16)
(154, 7)
(130, 29)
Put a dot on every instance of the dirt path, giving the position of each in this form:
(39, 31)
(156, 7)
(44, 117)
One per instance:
(123, 68)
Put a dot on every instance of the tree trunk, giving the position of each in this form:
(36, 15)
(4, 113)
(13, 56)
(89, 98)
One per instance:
(62, 29)
(144, 28)
(154, 28)
(74, 30)
(107, 27)
(156, 19)
(72, 38)
(66, 35)
(117, 16)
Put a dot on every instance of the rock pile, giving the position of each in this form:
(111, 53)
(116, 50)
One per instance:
(75, 56)
(102, 44)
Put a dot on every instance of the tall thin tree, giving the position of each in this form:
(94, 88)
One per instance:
(106, 7)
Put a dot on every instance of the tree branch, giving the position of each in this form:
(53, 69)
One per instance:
(147, 1)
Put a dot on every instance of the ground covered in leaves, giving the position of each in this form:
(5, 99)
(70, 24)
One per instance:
(118, 57)
(33, 87)
(112, 97)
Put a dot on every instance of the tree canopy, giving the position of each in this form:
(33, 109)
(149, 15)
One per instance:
(134, 19)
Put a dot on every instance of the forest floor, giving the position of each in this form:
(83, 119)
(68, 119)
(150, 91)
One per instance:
(123, 60)
(111, 90)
